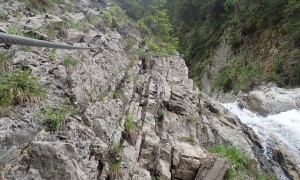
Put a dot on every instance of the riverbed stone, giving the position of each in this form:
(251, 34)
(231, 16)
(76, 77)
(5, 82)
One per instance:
(272, 100)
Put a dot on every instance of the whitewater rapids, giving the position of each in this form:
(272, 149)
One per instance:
(284, 127)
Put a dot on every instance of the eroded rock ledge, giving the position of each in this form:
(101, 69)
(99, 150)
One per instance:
(159, 148)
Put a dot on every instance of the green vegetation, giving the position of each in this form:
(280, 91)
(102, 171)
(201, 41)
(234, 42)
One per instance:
(26, 48)
(115, 162)
(241, 166)
(160, 115)
(6, 111)
(12, 29)
(115, 168)
(97, 96)
(115, 17)
(126, 73)
(190, 138)
(68, 7)
(141, 52)
(117, 149)
(59, 29)
(218, 114)
(136, 78)
(190, 118)
(117, 94)
(52, 55)
(129, 123)
(152, 19)
(55, 118)
(252, 29)
(247, 76)
(51, 30)
(92, 149)
(41, 5)
(129, 43)
(100, 96)
(153, 178)
(5, 61)
(92, 19)
(4, 15)
(19, 87)
(70, 61)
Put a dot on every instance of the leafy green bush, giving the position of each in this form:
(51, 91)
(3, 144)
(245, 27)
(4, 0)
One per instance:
(143, 27)
(107, 18)
(239, 75)
(243, 25)
(19, 87)
(115, 17)
(153, 47)
(130, 42)
(153, 21)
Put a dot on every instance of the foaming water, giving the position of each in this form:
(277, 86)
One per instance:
(285, 126)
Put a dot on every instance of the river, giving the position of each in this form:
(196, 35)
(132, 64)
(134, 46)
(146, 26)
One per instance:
(284, 127)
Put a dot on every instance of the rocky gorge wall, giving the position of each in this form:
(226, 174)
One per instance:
(119, 99)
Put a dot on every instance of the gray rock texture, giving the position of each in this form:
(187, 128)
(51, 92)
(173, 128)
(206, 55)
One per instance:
(108, 91)
(272, 100)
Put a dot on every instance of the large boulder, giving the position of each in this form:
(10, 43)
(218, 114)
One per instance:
(212, 168)
(272, 100)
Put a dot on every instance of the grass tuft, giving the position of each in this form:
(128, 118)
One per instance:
(55, 118)
(117, 94)
(19, 87)
(242, 167)
(129, 123)
(70, 61)
(160, 115)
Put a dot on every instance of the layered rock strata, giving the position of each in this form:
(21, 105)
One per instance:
(174, 123)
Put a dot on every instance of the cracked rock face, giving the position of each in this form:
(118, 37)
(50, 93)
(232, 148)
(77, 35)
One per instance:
(173, 122)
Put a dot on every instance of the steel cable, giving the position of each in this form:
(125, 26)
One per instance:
(24, 41)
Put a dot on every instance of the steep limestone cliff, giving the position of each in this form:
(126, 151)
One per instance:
(135, 117)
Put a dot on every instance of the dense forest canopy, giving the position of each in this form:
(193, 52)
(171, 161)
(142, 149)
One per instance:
(201, 25)
(152, 16)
